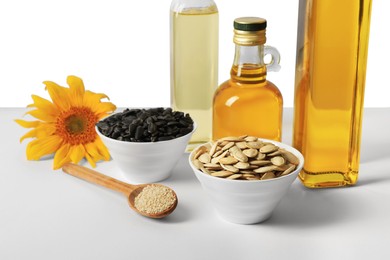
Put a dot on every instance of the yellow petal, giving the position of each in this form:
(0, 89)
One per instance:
(93, 152)
(30, 134)
(97, 158)
(91, 98)
(62, 156)
(43, 146)
(44, 104)
(27, 124)
(90, 160)
(76, 84)
(58, 94)
(102, 149)
(45, 129)
(77, 90)
(41, 131)
(42, 115)
(76, 153)
(92, 149)
(103, 108)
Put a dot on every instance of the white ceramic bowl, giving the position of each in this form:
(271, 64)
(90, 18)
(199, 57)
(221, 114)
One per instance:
(247, 202)
(146, 162)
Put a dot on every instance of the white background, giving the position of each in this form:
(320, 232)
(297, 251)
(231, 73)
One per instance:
(121, 47)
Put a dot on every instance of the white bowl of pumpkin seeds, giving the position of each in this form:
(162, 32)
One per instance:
(245, 177)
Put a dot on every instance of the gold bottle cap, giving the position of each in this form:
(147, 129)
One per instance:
(249, 31)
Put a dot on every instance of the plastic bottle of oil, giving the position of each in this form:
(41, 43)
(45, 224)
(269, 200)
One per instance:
(194, 62)
(329, 89)
(249, 104)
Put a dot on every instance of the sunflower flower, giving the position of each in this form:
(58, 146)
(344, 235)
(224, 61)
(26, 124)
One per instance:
(65, 127)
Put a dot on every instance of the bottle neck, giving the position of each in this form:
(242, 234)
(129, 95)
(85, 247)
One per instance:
(248, 66)
(249, 55)
(188, 6)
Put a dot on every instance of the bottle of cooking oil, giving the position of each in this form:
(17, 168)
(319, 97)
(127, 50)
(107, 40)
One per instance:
(194, 62)
(249, 104)
(329, 89)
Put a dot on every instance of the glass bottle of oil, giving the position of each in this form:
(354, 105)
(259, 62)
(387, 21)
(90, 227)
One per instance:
(249, 104)
(194, 62)
(329, 89)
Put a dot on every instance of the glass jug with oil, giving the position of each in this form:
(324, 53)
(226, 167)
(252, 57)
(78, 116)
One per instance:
(248, 103)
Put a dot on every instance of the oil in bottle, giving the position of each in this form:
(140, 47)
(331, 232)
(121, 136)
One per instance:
(329, 89)
(194, 63)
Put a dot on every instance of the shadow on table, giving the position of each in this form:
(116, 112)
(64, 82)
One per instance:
(179, 215)
(182, 171)
(375, 140)
(308, 208)
(375, 150)
(371, 175)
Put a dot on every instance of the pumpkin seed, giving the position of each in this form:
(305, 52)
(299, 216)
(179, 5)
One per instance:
(290, 157)
(212, 166)
(230, 168)
(205, 158)
(238, 154)
(234, 176)
(289, 170)
(250, 138)
(213, 148)
(269, 148)
(216, 159)
(268, 175)
(254, 145)
(221, 174)
(278, 160)
(217, 153)
(228, 160)
(265, 169)
(260, 156)
(251, 153)
(232, 139)
(227, 146)
(200, 151)
(197, 164)
(242, 165)
(260, 162)
(241, 145)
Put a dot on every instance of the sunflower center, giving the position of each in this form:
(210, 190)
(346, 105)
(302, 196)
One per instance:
(77, 125)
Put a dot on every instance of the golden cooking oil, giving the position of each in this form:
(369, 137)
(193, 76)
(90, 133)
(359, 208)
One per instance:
(194, 65)
(248, 104)
(329, 89)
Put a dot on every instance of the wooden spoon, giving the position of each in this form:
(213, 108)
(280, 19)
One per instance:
(130, 191)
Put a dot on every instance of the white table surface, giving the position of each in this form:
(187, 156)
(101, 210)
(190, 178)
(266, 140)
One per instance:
(46, 214)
